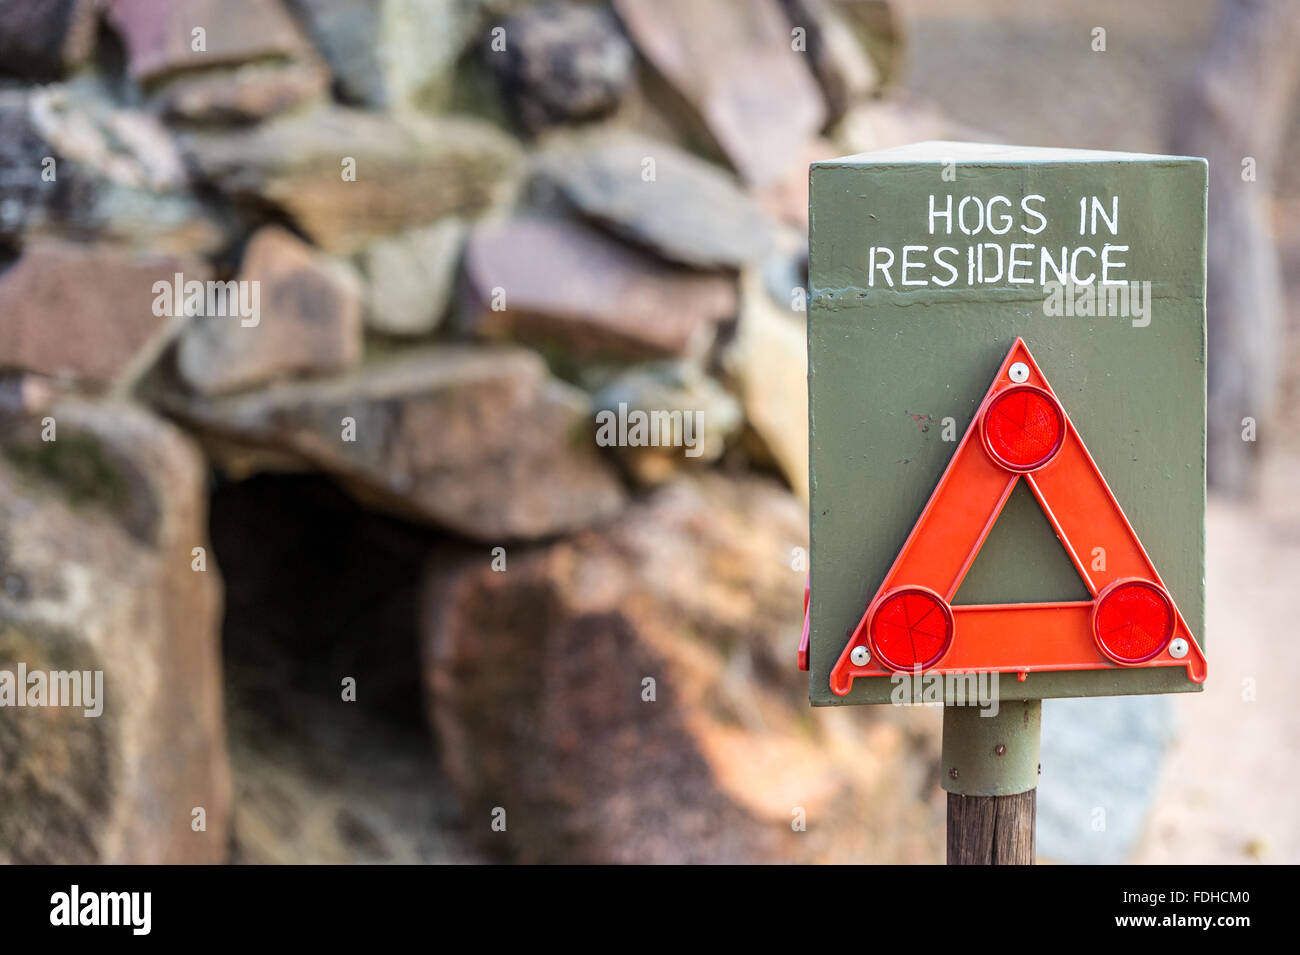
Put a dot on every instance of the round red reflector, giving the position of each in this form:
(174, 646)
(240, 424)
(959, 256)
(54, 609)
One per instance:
(911, 628)
(1133, 620)
(1023, 428)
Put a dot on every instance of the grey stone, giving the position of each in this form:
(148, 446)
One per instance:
(684, 209)
(689, 418)
(561, 63)
(410, 277)
(390, 53)
(76, 165)
(482, 442)
(409, 170)
(42, 39)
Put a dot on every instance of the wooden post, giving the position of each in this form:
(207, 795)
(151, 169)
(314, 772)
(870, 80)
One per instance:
(991, 830)
(990, 766)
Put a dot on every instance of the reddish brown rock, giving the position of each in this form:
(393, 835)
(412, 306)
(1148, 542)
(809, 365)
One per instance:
(732, 60)
(98, 531)
(557, 284)
(304, 316)
(536, 680)
(82, 311)
(160, 35)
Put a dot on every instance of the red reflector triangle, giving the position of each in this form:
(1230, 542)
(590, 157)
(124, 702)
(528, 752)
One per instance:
(1019, 433)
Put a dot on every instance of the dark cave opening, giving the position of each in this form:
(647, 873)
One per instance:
(319, 591)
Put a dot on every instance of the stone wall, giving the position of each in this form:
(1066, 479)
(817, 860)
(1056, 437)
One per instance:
(446, 254)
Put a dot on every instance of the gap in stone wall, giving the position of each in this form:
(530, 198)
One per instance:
(318, 590)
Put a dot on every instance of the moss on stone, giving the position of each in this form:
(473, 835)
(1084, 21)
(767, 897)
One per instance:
(75, 463)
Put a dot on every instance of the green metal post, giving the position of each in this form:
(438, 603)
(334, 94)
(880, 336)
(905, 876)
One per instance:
(990, 771)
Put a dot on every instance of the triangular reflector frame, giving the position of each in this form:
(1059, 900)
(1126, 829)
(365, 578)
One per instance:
(1131, 611)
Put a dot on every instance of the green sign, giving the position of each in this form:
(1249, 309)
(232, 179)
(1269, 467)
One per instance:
(926, 263)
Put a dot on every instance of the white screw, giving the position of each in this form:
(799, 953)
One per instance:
(860, 656)
(1178, 648)
(1018, 372)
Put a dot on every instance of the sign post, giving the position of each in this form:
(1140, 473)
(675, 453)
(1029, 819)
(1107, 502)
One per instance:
(1007, 434)
(990, 772)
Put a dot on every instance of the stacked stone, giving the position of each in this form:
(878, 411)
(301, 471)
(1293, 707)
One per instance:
(528, 275)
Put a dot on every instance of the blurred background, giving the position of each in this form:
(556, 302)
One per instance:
(361, 582)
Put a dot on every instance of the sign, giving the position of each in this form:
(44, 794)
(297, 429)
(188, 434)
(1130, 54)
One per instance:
(960, 527)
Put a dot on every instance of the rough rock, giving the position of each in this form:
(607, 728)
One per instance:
(561, 287)
(562, 63)
(880, 124)
(127, 147)
(159, 34)
(768, 359)
(243, 94)
(732, 60)
(879, 30)
(684, 209)
(840, 62)
(409, 171)
(688, 418)
(306, 318)
(536, 686)
(77, 166)
(83, 311)
(388, 53)
(786, 199)
(27, 198)
(97, 530)
(42, 39)
(300, 801)
(482, 442)
(410, 278)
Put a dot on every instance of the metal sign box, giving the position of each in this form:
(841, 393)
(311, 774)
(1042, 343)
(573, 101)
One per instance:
(926, 263)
